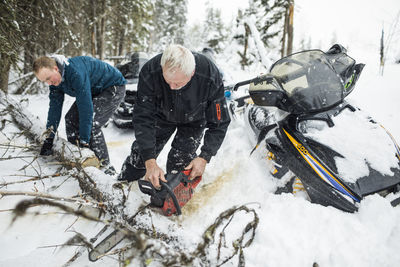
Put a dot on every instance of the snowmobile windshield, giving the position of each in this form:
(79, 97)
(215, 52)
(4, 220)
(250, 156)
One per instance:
(310, 81)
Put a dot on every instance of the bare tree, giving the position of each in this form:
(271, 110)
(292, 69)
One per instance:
(385, 44)
(10, 38)
(287, 38)
(274, 22)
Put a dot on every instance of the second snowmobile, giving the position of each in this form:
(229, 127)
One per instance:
(122, 117)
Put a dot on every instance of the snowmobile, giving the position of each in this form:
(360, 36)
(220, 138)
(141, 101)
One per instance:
(122, 117)
(308, 130)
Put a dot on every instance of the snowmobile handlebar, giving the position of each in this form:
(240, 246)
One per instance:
(239, 84)
(255, 80)
(260, 79)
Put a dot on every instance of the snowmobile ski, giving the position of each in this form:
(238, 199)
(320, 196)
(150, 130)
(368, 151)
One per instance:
(395, 202)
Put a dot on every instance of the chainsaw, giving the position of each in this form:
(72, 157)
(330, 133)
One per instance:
(173, 195)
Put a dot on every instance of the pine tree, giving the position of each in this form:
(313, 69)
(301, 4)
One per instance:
(128, 26)
(242, 38)
(169, 20)
(29, 29)
(270, 21)
(10, 39)
(274, 23)
(214, 29)
(32, 28)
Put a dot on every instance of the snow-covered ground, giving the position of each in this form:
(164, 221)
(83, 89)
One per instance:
(291, 230)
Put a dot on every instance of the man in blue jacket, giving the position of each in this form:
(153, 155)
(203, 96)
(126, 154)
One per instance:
(98, 88)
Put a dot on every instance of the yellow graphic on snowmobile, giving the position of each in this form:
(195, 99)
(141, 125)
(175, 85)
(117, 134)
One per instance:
(322, 172)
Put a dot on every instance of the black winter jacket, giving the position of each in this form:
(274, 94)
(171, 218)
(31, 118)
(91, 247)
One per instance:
(201, 100)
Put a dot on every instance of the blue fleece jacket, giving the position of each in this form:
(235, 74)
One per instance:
(82, 77)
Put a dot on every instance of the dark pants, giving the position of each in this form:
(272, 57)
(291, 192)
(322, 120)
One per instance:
(183, 149)
(104, 105)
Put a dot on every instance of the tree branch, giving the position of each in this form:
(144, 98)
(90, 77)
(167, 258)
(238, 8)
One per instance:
(44, 195)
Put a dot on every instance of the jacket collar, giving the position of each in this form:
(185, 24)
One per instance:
(61, 62)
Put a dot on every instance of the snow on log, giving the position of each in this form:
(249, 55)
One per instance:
(34, 128)
(82, 161)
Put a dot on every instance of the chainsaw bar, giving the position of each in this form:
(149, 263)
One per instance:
(106, 244)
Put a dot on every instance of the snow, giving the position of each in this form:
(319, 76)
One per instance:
(197, 9)
(355, 24)
(256, 36)
(291, 230)
(354, 163)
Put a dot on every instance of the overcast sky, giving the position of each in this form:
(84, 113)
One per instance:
(323, 21)
(196, 9)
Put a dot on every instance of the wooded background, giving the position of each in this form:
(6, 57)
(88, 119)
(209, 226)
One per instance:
(109, 28)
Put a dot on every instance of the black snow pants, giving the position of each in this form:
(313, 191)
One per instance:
(104, 105)
(183, 149)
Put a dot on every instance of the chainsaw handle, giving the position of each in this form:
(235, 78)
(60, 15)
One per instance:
(171, 193)
(146, 187)
(173, 181)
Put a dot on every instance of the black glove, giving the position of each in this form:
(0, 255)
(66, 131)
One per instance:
(47, 146)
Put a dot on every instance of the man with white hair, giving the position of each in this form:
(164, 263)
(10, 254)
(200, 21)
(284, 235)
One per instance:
(180, 91)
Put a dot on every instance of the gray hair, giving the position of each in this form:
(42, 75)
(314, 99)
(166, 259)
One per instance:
(177, 57)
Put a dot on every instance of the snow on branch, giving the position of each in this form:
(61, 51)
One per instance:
(29, 74)
(250, 21)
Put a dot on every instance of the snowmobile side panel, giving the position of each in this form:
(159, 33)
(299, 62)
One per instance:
(322, 171)
(322, 195)
(317, 189)
(375, 176)
(324, 153)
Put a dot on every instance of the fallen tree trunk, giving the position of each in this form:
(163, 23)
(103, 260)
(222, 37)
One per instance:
(144, 239)
(69, 155)
(34, 129)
